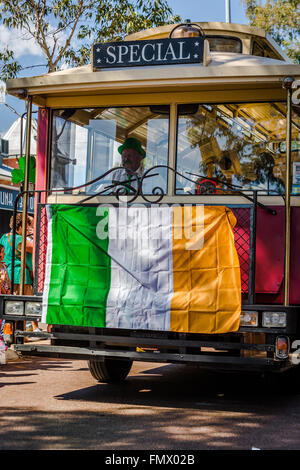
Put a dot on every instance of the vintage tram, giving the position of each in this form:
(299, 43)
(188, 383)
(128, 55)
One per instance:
(166, 204)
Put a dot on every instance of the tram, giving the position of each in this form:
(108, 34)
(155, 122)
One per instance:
(167, 204)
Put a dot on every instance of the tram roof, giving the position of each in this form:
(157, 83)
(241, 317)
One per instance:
(241, 31)
(223, 70)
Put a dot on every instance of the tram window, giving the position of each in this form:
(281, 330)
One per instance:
(86, 144)
(261, 49)
(236, 145)
(295, 157)
(224, 44)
